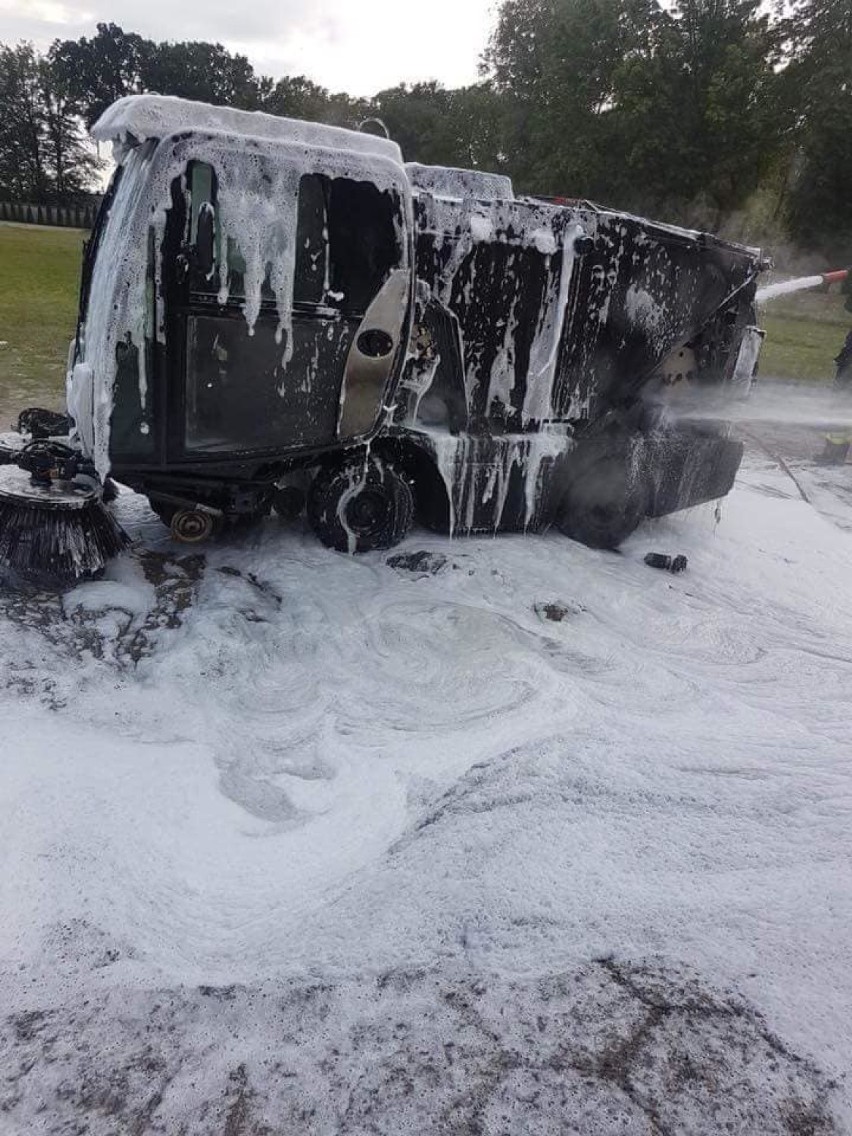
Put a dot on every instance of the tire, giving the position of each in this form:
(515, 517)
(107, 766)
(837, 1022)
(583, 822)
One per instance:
(193, 526)
(166, 510)
(604, 506)
(361, 506)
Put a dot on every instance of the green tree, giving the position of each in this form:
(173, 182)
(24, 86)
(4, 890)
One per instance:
(71, 163)
(481, 122)
(418, 118)
(296, 96)
(464, 126)
(99, 70)
(23, 175)
(818, 82)
(671, 109)
(203, 71)
(699, 117)
(554, 62)
(43, 157)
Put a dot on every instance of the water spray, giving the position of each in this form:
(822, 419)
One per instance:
(800, 284)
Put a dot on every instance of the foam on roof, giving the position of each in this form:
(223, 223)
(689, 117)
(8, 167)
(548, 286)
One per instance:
(445, 181)
(155, 116)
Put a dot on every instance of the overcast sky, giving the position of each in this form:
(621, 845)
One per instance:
(357, 46)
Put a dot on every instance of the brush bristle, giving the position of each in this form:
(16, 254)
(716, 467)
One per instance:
(57, 546)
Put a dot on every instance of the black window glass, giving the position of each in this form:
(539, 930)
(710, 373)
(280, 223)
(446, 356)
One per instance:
(312, 277)
(346, 241)
(363, 240)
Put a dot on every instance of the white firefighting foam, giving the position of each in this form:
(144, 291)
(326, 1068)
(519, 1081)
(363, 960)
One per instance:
(335, 769)
(136, 118)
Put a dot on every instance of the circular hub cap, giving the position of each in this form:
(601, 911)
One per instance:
(190, 526)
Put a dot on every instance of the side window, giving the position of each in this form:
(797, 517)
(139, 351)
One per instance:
(202, 199)
(363, 240)
(203, 228)
(312, 279)
(131, 417)
(346, 241)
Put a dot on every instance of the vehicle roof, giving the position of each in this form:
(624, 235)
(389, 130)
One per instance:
(450, 182)
(154, 116)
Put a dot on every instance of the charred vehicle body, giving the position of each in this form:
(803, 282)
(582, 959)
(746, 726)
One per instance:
(274, 312)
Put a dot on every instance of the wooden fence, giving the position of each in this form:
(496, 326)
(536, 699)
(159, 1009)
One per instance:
(70, 216)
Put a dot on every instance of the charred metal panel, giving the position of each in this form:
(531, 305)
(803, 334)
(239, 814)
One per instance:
(686, 467)
(642, 291)
(432, 391)
(495, 482)
(446, 181)
(240, 396)
(501, 270)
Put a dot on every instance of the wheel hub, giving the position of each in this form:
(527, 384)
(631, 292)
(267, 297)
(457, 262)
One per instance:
(191, 526)
(366, 511)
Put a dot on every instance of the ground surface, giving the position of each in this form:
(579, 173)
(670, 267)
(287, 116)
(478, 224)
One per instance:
(491, 836)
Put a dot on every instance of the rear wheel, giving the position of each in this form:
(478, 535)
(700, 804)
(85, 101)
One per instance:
(604, 506)
(187, 525)
(193, 526)
(361, 506)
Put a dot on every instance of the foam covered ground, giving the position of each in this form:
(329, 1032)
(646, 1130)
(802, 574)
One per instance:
(508, 837)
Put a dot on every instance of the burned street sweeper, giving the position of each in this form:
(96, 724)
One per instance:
(277, 314)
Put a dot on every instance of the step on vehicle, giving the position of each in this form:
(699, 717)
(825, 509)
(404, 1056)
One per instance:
(278, 315)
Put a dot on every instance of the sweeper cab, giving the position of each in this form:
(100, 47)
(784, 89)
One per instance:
(277, 314)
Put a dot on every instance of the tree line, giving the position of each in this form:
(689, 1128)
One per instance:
(717, 113)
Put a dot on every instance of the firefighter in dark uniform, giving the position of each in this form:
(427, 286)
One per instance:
(838, 442)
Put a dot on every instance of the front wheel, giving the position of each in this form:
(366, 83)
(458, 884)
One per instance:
(360, 506)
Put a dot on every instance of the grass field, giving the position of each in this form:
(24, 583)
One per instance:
(39, 273)
(804, 332)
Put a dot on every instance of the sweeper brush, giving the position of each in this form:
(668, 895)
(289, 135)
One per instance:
(53, 531)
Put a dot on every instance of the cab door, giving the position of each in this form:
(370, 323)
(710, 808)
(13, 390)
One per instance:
(290, 298)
